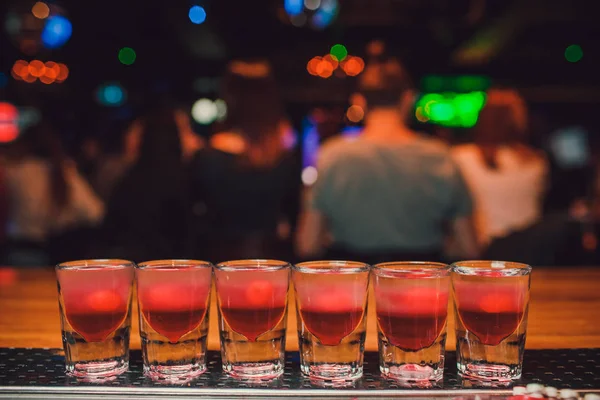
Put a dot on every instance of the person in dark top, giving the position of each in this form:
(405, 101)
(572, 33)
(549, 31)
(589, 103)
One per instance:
(148, 212)
(245, 183)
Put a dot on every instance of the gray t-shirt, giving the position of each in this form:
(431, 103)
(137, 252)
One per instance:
(389, 196)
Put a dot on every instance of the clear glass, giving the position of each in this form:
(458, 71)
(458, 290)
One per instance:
(173, 299)
(411, 302)
(252, 301)
(331, 303)
(491, 300)
(94, 298)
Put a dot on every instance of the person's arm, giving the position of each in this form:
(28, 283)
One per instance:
(88, 207)
(310, 237)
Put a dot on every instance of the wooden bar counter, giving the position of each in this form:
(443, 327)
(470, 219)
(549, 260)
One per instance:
(564, 311)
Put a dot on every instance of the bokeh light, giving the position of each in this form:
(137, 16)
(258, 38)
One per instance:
(355, 113)
(111, 95)
(37, 68)
(40, 10)
(56, 32)
(197, 14)
(338, 51)
(221, 109)
(52, 70)
(9, 122)
(324, 69)
(298, 20)
(573, 53)
(353, 66)
(63, 74)
(312, 4)
(293, 7)
(311, 67)
(204, 111)
(309, 175)
(450, 108)
(127, 56)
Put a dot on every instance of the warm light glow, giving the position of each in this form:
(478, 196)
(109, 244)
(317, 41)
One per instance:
(355, 113)
(353, 66)
(63, 74)
(311, 67)
(9, 122)
(40, 10)
(52, 70)
(324, 69)
(331, 60)
(45, 79)
(420, 116)
(20, 70)
(204, 111)
(309, 175)
(357, 99)
(37, 68)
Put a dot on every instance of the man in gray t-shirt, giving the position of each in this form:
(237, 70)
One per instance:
(387, 194)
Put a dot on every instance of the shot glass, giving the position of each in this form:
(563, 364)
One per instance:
(491, 300)
(331, 304)
(252, 302)
(411, 302)
(94, 298)
(173, 299)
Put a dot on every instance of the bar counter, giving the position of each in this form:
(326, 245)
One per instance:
(564, 311)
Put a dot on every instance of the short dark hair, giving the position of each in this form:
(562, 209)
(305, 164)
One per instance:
(383, 82)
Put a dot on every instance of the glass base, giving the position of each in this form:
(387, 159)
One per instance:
(334, 374)
(412, 372)
(258, 370)
(97, 370)
(489, 373)
(174, 373)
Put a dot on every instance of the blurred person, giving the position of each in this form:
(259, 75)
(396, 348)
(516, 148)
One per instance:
(147, 214)
(114, 166)
(388, 194)
(245, 182)
(47, 199)
(506, 176)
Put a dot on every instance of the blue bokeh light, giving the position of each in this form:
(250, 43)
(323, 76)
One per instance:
(293, 7)
(57, 32)
(111, 95)
(197, 14)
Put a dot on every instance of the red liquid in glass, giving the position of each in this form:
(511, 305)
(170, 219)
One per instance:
(330, 327)
(491, 327)
(411, 331)
(252, 322)
(95, 326)
(174, 324)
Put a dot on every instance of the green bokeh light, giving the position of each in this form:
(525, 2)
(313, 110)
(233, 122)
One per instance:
(451, 108)
(338, 51)
(573, 53)
(127, 55)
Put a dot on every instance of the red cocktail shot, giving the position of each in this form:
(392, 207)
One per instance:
(411, 307)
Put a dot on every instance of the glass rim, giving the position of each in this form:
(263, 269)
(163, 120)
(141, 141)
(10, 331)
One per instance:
(97, 263)
(468, 267)
(181, 263)
(252, 264)
(332, 266)
(407, 267)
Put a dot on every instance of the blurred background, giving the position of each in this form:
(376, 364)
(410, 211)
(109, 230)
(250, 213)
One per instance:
(88, 70)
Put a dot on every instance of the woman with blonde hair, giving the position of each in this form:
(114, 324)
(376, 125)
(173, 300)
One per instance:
(506, 177)
(245, 182)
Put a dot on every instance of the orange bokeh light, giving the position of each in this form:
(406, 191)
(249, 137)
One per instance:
(353, 66)
(311, 67)
(52, 70)
(324, 69)
(63, 73)
(37, 68)
(40, 10)
(19, 70)
(332, 60)
(47, 80)
(355, 113)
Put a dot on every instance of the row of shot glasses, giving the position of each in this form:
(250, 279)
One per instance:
(411, 306)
